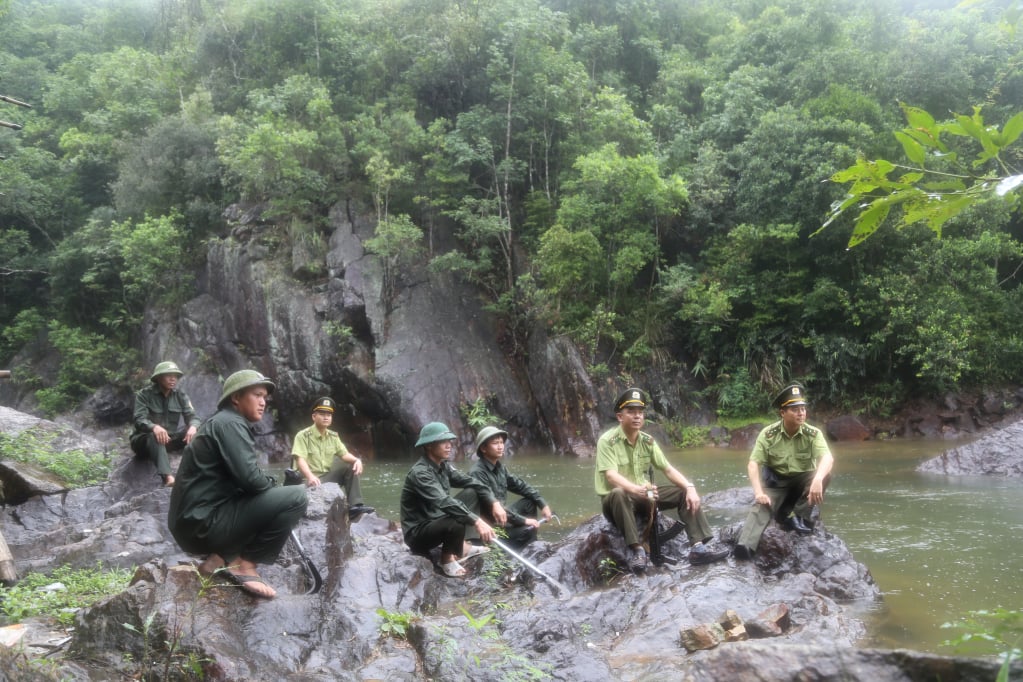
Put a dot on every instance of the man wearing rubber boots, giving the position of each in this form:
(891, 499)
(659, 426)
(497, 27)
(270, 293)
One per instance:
(223, 505)
(789, 469)
(160, 408)
(430, 516)
(321, 457)
(519, 520)
(623, 456)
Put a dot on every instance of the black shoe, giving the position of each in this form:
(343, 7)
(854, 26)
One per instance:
(637, 559)
(797, 524)
(706, 554)
(357, 510)
(742, 553)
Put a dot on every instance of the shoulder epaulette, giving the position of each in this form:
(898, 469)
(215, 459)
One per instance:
(647, 438)
(810, 431)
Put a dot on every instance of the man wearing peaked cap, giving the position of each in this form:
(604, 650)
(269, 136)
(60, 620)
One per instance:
(624, 456)
(321, 457)
(789, 469)
(164, 419)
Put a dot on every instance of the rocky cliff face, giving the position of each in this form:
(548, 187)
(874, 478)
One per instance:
(392, 366)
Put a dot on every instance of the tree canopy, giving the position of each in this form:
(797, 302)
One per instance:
(646, 176)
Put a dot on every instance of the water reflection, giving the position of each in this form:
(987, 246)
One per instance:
(937, 546)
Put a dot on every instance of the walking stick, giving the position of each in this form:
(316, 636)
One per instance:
(657, 557)
(308, 565)
(530, 565)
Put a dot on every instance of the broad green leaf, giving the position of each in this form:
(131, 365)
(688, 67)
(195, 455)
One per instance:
(910, 178)
(918, 118)
(868, 222)
(1012, 130)
(944, 186)
(926, 138)
(975, 129)
(913, 150)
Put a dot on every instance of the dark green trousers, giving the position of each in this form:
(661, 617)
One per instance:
(146, 446)
(518, 536)
(253, 527)
(621, 511)
(788, 496)
(342, 473)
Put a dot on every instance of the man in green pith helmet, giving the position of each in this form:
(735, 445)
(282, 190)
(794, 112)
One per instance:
(224, 505)
(321, 457)
(160, 408)
(430, 516)
(624, 455)
(789, 469)
(519, 520)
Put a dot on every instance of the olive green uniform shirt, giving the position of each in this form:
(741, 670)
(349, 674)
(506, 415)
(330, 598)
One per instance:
(426, 495)
(219, 465)
(614, 453)
(318, 450)
(787, 455)
(497, 478)
(153, 408)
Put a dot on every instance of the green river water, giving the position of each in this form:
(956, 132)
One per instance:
(937, 546)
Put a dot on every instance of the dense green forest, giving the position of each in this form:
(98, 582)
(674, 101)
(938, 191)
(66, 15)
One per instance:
(647, 176)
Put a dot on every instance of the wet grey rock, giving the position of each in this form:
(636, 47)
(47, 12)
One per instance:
(501, 622)
(999, 453)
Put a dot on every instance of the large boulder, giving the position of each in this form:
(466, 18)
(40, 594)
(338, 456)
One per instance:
(999, 453)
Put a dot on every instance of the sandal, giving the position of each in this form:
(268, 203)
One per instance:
(250, 584)
(453, 569)
(475, 551)
(210, 565)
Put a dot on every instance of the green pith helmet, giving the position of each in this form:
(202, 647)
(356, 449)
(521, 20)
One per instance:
(433, 432)
(485, 434)
(165, 367)
(241, 380)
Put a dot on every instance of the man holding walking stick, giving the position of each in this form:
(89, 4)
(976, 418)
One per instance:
(623, 455)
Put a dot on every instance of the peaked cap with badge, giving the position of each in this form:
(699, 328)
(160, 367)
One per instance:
(792, 395)
(324, 405)
(631, 397)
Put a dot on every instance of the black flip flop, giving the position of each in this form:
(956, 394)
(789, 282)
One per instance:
(243, 581)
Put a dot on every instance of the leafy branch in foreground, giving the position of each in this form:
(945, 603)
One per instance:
(1001, 629)
(944, 177)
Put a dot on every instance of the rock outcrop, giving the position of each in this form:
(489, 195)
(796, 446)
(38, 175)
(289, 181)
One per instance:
(998, 453)
(386, 614)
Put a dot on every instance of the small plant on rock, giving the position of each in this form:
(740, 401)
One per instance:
(395, 624)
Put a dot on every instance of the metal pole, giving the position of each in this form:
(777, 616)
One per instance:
(310, 567)
(530, 565)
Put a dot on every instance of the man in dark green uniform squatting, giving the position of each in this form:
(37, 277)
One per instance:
(321, 457)
(519, 520)
(160, 408)
(789, 468)
(223, 505)
(623, 456)
(430, 516)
